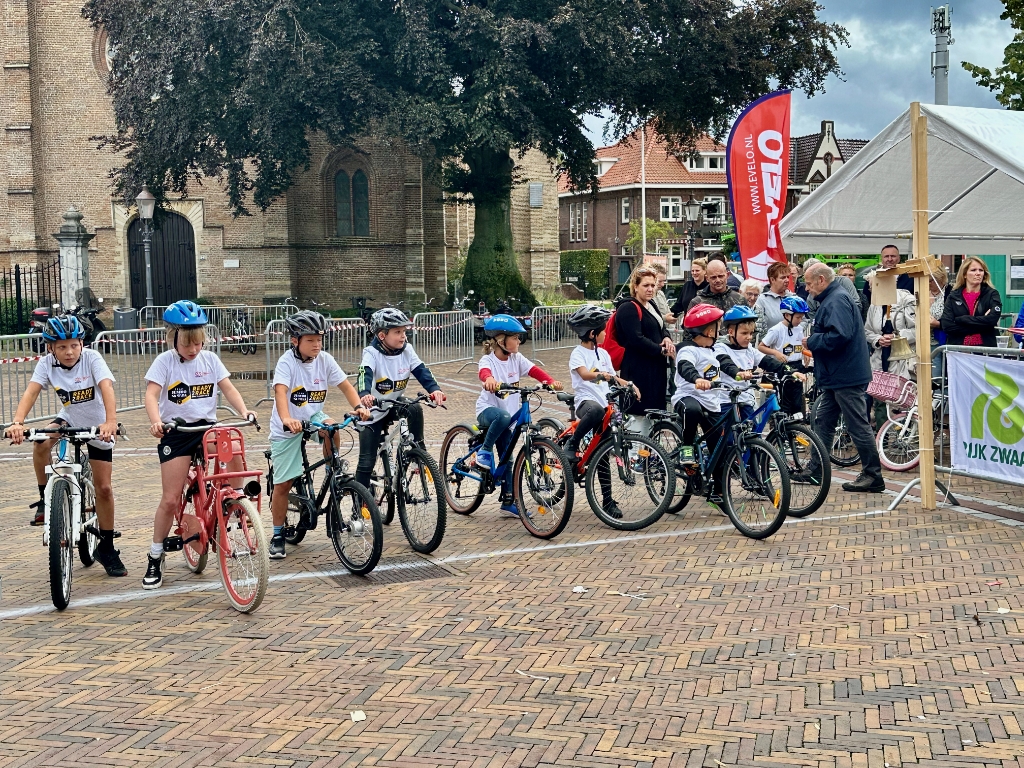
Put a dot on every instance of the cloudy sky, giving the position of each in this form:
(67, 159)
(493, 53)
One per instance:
(888, 63)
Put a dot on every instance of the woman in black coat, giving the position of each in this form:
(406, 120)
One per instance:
(973, 308)
(641, 332)
(694, 285)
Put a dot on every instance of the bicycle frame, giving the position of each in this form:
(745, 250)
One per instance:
(599, 433)
(520, 425)
(72, 470)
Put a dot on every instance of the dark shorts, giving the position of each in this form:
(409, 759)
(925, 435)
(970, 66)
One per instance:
(96, 453)
(175, 444)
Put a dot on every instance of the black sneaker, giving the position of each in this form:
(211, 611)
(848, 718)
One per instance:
(804, 477)
(865, 484)
(40, 516)
(277, 547)
(154, 573)
(110, 558)
(612, 510)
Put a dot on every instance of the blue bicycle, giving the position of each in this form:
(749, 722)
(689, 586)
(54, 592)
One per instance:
(541, 475)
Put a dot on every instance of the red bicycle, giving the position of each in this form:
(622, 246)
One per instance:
(213, 513)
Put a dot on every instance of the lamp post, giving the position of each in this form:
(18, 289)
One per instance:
(691, 209)
(147, 205)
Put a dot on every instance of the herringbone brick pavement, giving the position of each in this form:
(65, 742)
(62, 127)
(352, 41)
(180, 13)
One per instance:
(854, 638)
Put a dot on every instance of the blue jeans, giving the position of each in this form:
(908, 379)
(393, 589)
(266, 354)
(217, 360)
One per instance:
(496, 421)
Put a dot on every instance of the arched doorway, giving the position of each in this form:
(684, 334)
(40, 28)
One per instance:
(173, 260)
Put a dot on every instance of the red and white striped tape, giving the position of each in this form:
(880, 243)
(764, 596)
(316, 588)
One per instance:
(21, 359)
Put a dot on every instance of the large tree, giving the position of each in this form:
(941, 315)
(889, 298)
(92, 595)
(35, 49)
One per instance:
(1008, 80)
(234, 88)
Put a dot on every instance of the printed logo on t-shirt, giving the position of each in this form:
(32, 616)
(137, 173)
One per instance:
(75, 396)
(301, 396)
(385, 386)
(710, 373)
(791, 349)
(180, 393)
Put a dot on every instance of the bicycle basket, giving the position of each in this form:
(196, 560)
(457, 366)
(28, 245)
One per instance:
(891, 388)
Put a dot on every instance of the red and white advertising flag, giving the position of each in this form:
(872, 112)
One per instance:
(758, 170)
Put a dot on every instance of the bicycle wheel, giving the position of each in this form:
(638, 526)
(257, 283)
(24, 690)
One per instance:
(550, 427)
(842, 451)
(543, 487)
(88, 542)
(381, 485)
(799, 446)
(355, 527)
(640, 483)
(463, 489)
(244, 554)
(755, 488)
(667, 435)
(60, 544)
(899, 444)
(421, 506)
(196, 555)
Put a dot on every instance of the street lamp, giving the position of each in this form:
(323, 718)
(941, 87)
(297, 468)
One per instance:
(691, 209)
(147, 205)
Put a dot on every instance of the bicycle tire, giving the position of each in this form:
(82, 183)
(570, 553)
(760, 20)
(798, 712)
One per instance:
(60, 544)
(670, 438)
(897, 450)
(88, 542)
(195, 559)
(543, 487)
(770, 501)
(353, 515)
(382, 488)
(842, 452)
(550, 427)
(657, 468)
(422, 480)
(244, 554)
(462, 494)
(788, 446)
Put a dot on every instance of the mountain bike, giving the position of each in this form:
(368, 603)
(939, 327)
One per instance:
(899, 440)
(69, 505)
(214, 514)
(629, 478)
(407, 477)
(744, 475)
(541, 475)
(353, 520)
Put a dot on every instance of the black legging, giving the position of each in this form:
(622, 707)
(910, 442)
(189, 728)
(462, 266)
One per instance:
(693, 415)
(590, 415)
(371, 435)
(791, 396)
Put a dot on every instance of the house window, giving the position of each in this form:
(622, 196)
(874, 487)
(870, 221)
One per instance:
(716, 163)
(536, 194)
(718, 216)
(577, 222)
(671, 209)
(697, 163)
(352, 204)
(813, 186)
(1015, 280)
(677, 265)
(624, 207)
(709, 242)
(583, 225)
(707, 163)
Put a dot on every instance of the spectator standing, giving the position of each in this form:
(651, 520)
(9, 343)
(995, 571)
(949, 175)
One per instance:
(694, 284)
(751, 290)
(796, 283)
(660, 299)
(888, 259)
(734, 282)
(641, 332)
(938, 288)
(717, 293)
(768, 307)
(881, 326)
(973, 308)
(842, 372)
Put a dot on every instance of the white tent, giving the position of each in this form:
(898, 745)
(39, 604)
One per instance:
(975, 189)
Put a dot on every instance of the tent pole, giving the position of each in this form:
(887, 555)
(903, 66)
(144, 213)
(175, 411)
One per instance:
(919, 163)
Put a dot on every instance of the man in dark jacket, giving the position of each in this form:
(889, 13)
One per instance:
(888, 259)
(842, 370)
(717, 293)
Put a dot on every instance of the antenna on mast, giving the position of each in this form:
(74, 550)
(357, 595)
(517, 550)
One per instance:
(942, 25)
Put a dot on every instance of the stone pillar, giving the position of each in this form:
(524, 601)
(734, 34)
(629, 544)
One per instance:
(74, 256)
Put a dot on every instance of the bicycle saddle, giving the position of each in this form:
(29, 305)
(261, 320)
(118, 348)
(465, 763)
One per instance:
(660, 414)
(565, 397)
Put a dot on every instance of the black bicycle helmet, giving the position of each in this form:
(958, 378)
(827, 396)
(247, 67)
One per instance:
(306, 323)
(589, 318)
(388, 318)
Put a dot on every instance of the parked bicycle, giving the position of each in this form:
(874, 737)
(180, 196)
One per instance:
(69, 506)
(842, 451)
(628, 478)
(541, 475)
(407, 478)
(744, 475)
(353, 520)
(215, 514)
(241, 328)
(899, 439)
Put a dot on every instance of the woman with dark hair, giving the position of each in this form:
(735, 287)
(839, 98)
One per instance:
(694, 285)
(641, 332)
(973, 308)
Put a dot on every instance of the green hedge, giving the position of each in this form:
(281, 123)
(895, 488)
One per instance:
(591, 265)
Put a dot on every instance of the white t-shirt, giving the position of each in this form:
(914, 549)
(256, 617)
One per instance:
(705, 360)
(509, 371)
(788, 341)
(78, 389)
(390, 375)
(188, 390)
(307, 385)
(594, 360)
(746, 360)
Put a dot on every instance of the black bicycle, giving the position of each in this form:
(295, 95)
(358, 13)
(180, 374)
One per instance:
(353, 520)
(744, 475)
(407, 478)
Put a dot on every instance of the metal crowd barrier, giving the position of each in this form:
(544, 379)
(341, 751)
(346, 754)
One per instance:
(550, 329)
(345, 340)
(443, 337)
(240, 327)
(19, 355)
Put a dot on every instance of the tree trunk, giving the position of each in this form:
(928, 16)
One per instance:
(491, 267)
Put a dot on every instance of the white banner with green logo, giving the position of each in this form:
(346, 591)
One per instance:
(987, 415)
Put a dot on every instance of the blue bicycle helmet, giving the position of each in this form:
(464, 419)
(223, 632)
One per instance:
(794, 304)
(185, 314)
(62, 328)
(738, 314)
(498, 324)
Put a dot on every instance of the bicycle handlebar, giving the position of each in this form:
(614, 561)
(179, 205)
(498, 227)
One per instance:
(508, 389)
(73, 433)
(404, 402)
(178, 425)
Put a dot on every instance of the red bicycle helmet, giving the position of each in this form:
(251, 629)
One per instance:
(702, 315)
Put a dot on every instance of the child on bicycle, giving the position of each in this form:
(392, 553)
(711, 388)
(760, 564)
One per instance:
(182, 383)
(741, 326)
(301, 379)
(85, 386)
(785, 342)
(384, 373)
(502, 364)
(698, 365)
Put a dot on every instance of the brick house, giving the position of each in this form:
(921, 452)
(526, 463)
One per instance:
(366, 219)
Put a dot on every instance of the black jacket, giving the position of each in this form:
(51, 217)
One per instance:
(958, 322)
(724, 301)
(686, 294)
(841, 357)
(639, 334)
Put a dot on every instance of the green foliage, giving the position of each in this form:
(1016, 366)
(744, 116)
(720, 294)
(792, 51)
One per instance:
(728, 239)
(655, 230)
(591, 264)
(1008, 80)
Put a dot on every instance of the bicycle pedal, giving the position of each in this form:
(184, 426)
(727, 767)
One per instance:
(93, 530)
(288, 531)
(174, 544)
